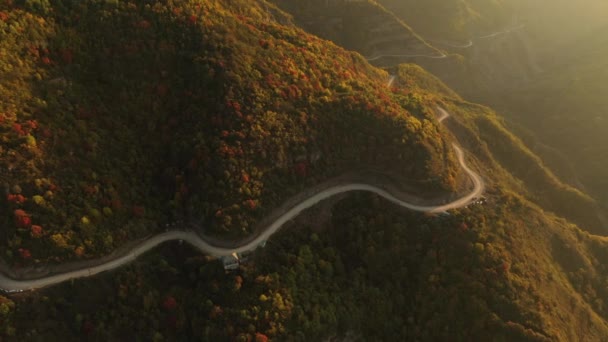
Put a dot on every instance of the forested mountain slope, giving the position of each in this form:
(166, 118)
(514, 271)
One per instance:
(121, 116)
(551, 22)
(369, 270)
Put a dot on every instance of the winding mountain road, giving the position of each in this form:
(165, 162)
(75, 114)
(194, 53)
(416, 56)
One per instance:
(443, 114)
(391, 79)
(454, 45)
(9, 284)
(443, 55)
(509, 30)
(470, 42)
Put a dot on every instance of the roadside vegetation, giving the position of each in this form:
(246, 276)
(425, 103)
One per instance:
(373, 271)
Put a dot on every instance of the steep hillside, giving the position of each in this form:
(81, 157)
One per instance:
(487, 136)
(479, 50)
(120, 117)
(379, 35)
(503, 44)
(547, 76)
(566, 109)
(362, 26)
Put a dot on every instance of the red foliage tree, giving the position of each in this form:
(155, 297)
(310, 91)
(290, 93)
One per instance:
(32, 124)
(264, 43)
(250, 203)
(215, 311)
(22, 219)
(90, 189)
(12, 198)
(19, 129)
(116, 204)
(25, 253)
(301, 169)
(36, 231)
(169, 303)
(259, 337)
(138, 210)
(143, 24)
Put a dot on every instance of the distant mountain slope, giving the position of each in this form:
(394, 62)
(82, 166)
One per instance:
(489, 139)
(552, 72)
(363, 26)
(553, 22)
(558, 21)
(566, 109)
(454, 20)
(495, 144)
